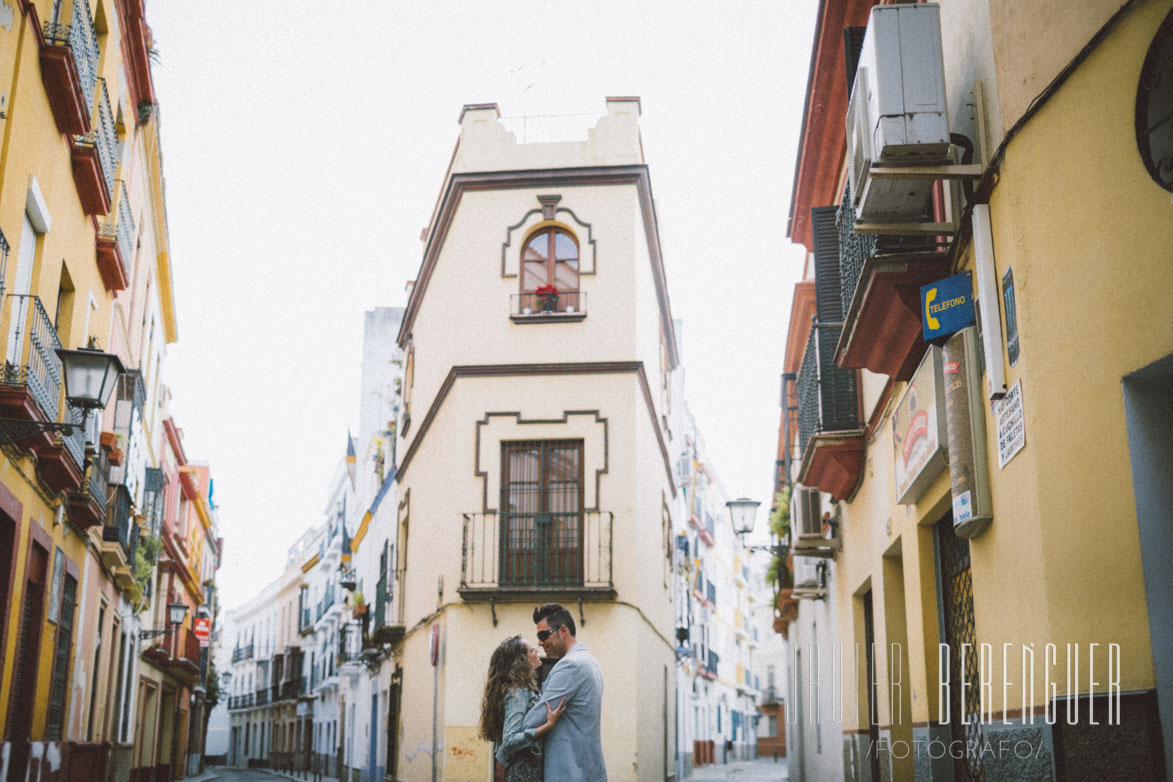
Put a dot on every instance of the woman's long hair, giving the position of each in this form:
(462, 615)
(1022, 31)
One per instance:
(509, 668)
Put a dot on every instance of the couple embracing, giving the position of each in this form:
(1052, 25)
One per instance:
(552, 733)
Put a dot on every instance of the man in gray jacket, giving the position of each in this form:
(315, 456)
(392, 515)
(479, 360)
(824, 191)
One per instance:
(573, 750)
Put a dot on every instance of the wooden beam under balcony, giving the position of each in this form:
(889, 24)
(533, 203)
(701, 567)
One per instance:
(87, 175)
(111, 264)
(71, 110)
(833, 462)
(58, 468)
(882, 330)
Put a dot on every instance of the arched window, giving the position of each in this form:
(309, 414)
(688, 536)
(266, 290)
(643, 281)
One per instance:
(1154, 107)
(550, 260)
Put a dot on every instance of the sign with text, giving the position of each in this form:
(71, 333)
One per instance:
(946, 306)
(1011, 424)
(966, 426)
(918, 430)
(202, 629)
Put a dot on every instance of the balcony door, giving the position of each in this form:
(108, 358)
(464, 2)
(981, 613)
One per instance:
(23, 284)
(541, 513)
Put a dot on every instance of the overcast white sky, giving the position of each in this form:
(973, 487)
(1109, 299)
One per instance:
(304, 147)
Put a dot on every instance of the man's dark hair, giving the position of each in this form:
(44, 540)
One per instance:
(555, 615)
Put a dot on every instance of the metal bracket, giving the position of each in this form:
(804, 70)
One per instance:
(581, 615)
(13, 430)
(493, 609)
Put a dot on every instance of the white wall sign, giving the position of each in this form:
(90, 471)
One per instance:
(1011, 425)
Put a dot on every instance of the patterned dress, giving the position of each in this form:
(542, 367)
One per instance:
(520, 750)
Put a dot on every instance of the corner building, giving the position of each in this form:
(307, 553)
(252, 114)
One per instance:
(534, 454)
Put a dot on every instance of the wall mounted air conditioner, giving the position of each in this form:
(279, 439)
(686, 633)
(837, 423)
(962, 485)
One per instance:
(897, 114)
(806, 516)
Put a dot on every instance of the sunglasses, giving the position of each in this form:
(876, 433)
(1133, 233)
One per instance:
(544, 634)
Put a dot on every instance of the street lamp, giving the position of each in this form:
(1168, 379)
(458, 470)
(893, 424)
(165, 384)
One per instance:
(743, 511)
(176, 613)
(89, 381)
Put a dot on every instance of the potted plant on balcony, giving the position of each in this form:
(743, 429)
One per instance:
(360, 607)
(547, 297)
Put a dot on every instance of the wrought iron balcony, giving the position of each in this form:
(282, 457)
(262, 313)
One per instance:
(95, 156)
(69, 64)
(350, 642)
(385, 628)
(32, 371)
(880, 277)
(535, 307)
(119, 536)
(116, 241)
(87, 507)
(520, 554)
(262, 697)
(242, 653)
(830, 433)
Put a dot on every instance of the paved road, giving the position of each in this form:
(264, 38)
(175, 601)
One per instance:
(760, 770)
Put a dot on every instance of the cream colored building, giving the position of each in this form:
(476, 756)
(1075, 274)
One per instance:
(534, 460)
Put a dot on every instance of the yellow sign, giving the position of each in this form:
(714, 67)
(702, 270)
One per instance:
(466, 755)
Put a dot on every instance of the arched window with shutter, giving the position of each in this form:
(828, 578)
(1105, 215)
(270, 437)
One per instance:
(549, 273)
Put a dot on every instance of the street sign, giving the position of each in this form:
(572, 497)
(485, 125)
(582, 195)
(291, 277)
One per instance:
(947, 305)
(202, 629)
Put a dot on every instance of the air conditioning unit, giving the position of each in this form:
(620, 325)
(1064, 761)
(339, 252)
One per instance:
(897, 114)
(683, 468)
(806, 516)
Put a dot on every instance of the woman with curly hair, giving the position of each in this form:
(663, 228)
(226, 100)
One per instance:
(510, 689)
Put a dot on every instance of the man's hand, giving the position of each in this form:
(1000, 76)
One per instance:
(499, 773)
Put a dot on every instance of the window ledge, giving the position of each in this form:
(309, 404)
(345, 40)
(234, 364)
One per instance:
(548, 317)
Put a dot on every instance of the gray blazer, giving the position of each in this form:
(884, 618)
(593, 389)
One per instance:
(573, 750)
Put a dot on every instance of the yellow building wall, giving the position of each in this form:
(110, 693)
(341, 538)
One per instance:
(1085, 231)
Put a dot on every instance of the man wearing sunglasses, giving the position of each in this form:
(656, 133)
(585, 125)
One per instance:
(573, 750)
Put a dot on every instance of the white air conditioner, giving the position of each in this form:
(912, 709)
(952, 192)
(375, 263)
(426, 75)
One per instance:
(806, 516)
(683, 469)
(897, 114)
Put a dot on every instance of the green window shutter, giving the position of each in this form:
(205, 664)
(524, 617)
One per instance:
(56, 713)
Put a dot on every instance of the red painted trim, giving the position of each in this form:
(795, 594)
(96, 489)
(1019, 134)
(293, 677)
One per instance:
(822, 145)
(176, 444)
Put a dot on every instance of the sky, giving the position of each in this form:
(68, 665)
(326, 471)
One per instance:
(305, 144)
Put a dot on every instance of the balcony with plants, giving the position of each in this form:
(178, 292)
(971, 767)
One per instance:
(548, 303)
(115, 241)
(563, 555)
(94, 156)
(880, 277)
(69, 64)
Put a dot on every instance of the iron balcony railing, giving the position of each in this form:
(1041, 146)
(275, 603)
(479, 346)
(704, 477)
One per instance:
(564, 302)
(71, 25)
(119, 224)
(119, 526)
(32, 359)
(75, 443)
(262, 697)
(102, 137)
(95, 481)
(828, 396)
(350, 642)
(537, 550)
(855, 248)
